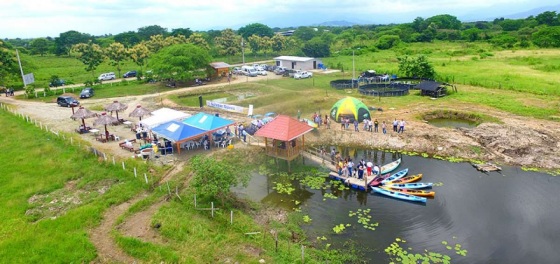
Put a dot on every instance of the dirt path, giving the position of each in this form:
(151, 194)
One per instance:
(107, 250)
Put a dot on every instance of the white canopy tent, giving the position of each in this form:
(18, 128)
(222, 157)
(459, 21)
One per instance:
(161, 116)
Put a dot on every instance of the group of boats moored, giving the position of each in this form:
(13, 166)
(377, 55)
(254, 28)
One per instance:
(397, 185)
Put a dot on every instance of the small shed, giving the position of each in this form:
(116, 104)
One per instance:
(220, 68)
(284, 137)
(431, 88)
(297, 63)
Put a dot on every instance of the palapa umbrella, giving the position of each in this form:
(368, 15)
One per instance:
(139, 111)
(116, 106)
(83, 113)
(105, 120)
(350, 107)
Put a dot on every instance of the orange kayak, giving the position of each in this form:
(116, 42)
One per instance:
(407, 179)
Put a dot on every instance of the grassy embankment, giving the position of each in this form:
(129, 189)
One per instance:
(37, 163)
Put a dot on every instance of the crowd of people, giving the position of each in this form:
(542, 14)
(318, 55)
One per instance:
(372, 125)
(347, 168)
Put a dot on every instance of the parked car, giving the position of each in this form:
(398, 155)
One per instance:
(303, 75)
(129, 74)
(57, 82)
(249, 71)
(262, 72)
(67, 101)
(237, 71)
(87, 92)
(107, 76)
(280, 70)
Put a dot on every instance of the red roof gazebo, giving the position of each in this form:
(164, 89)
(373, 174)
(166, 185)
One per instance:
(286, 136)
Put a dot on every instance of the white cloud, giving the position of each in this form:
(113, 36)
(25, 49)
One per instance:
(40, 18)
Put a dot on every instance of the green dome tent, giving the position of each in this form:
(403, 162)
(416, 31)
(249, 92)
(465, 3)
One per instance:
(349, 107)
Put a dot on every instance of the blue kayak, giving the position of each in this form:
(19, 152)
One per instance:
(400, 195)
(414, 185)
(396, 176)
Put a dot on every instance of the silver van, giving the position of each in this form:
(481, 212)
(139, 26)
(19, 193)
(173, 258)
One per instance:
(249, 71)
(107, 76)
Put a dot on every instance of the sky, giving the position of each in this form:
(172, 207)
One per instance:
(43, 18)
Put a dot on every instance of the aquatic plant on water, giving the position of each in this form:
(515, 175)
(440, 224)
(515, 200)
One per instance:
(329, 195)
(364, 218)
(340, 228)
(286, 188)
(307, 219)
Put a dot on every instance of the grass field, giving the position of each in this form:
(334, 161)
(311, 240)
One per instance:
(42, 163)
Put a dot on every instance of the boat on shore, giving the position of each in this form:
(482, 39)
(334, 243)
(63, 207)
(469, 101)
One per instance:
(407, 179)
(395, 176)
(414, 185)
(411, 191)
(400, 195)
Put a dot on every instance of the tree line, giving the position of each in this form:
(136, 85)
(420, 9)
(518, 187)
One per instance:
(541, 31)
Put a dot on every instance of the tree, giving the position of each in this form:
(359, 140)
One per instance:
(117, 54)
(547, 37)
(198, 40)
(9, 70)
(89, 54)
(186, 32)
(254, 43)
(316, 47)
(444, 22)
(63, 43)
(215, 178)
(387, 41)
(416, 67)
(228, 43)
(128, 39)
(305, 33)
(139, 54)
(146, 32)
(156, 43)
(549, 18)
(256, 29)
(278, 43)
(39, 46)
(471, 34)
(180, 62)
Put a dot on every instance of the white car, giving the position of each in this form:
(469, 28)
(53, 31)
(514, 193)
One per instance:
(261, 72)
(303, 75)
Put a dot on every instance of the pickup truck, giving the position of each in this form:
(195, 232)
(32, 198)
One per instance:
(303, 75)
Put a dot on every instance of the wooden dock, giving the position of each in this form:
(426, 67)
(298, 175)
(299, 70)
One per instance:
(354, 182)
(324, 160)
(487, 167)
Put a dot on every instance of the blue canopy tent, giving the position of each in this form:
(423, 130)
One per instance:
(207, 122)
(177, 132)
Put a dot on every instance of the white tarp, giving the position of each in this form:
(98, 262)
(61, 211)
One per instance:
(163, 115)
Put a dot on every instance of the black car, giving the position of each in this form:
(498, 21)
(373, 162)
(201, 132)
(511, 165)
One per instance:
(57, 83)
(87, 92)
(67, 101)
(129, 74)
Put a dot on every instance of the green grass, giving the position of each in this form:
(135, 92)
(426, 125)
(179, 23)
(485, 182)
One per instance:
(41, 163)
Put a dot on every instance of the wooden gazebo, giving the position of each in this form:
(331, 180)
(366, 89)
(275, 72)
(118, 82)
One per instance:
(284, 137)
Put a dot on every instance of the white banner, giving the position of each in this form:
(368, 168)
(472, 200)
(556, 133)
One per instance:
(28, 79)
(250, 112)
(227, 107)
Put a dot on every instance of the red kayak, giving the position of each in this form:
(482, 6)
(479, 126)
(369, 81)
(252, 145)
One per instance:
(377, 180)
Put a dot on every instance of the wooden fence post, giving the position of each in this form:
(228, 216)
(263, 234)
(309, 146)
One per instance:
(134, 172)
(212, 209)
(146, 177)
(123, 165)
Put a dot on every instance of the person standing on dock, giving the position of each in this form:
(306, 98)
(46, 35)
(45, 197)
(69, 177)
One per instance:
(369, 167)
(376, 170)
(361, 171)
(350, 166)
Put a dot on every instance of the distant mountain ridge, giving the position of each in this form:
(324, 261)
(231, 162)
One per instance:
(534, 12)
(337, 23)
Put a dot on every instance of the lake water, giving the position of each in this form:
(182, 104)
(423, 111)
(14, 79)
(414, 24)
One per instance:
(507, 217)
(453, 123)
